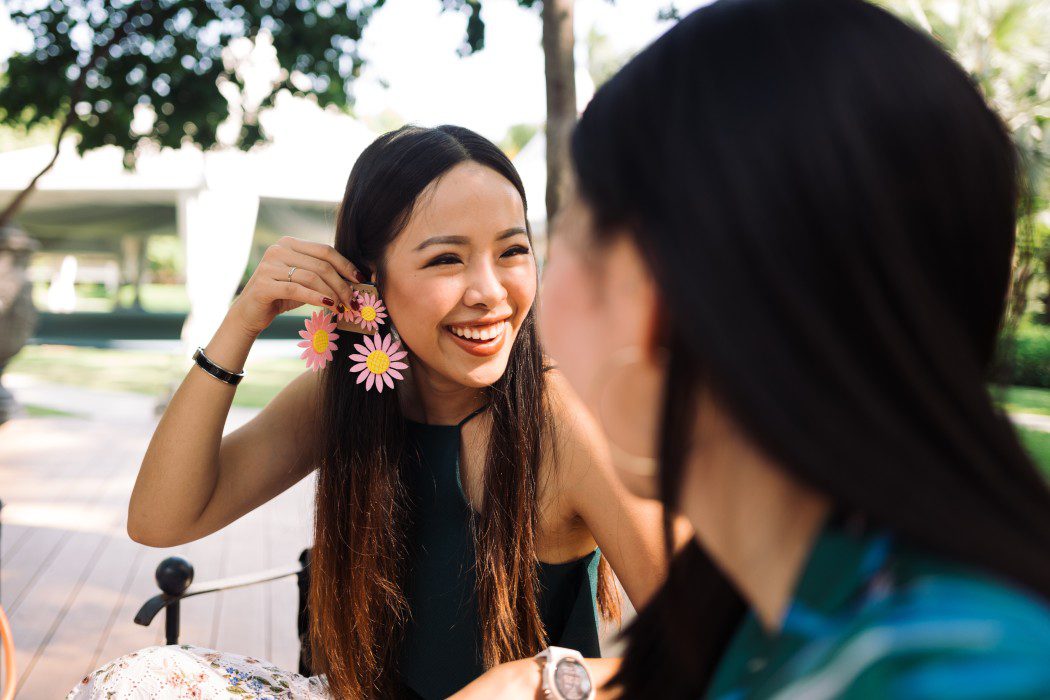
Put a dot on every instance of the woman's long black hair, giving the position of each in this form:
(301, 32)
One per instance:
(827, 206)
(361, 518)
(357, 602)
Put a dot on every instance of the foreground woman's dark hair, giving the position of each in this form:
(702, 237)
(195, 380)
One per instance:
(828, 208)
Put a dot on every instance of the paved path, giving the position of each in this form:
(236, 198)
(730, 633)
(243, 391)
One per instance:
(70, 578)
(1034, 421)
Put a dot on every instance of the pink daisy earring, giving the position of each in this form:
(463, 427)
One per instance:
(378, 362)
(351, 313)
(318, 340)
(371, 312)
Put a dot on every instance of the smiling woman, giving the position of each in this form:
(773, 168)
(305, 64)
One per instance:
(467, 516)
(480, 281)
(436, 218)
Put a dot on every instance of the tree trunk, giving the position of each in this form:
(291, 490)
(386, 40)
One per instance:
(558, 43)
(1017, 298)
(16, 204)
(76, 90)
(1045, 316)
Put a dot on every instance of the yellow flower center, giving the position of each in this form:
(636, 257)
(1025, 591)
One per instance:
(368, 313)
(377, 362)
(320, 341)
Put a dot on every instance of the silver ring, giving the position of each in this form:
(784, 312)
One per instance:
(291, 271)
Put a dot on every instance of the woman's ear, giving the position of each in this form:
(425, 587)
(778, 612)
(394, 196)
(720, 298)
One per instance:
(638, 285)
(658, 328)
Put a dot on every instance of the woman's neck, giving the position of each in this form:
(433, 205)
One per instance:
(758, 523)
(433, 399)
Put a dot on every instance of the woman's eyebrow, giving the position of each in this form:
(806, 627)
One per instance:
(463, 240)
(450, 240)
(512, 232)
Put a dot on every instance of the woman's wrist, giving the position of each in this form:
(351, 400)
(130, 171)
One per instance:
(512, 679)
(522, 679)
(235, 320)
(601, 671)
(527, 677)
(230, 345)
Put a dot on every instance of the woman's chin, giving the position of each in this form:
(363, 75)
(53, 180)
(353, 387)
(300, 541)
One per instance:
(486, 375)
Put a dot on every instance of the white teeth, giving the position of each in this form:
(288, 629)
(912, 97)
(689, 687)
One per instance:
(479, 333)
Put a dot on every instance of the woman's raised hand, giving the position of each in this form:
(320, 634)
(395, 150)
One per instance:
(291, 273)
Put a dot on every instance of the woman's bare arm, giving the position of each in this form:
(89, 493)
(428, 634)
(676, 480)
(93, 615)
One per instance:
(193, 481)
(520, 680)
(627, 528)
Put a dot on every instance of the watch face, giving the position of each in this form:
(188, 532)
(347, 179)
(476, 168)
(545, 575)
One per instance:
(572, 680)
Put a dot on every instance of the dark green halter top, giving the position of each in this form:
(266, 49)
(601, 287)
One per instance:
(441, 652)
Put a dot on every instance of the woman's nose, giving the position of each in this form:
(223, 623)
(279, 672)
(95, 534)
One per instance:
(484, 288)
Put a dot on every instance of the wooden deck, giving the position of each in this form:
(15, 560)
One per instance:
(70, 578)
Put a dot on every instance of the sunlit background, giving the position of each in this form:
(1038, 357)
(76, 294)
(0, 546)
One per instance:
(166, 166)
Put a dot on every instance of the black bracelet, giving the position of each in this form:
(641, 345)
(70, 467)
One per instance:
(223, 375)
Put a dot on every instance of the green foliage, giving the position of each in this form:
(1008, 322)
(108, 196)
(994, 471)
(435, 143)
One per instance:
(669, 12)
(387, 120)
(102, 59)
(1003, 44)
(475, 35)
(1022, 399)
(603, 60)
(164, 255)
(1028, 356)
(12, 138)
(517, 136)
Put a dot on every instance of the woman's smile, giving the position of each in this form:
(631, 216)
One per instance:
(479, 339)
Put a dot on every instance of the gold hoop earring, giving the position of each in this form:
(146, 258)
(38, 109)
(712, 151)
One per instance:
(638, 465)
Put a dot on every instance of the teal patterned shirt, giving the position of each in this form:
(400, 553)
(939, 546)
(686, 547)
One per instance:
(872, 618)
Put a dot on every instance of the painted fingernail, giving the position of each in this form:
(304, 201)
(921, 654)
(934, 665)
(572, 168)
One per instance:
(342, 308)
(327, 302)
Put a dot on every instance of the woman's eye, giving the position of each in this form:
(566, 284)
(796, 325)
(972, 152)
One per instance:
(443, 260)
(516, 250)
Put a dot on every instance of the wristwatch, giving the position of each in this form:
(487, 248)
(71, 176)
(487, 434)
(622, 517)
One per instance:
(563, 675)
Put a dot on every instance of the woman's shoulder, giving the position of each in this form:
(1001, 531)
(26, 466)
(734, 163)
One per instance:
(939, 628)
(933, 589)
(572, 429)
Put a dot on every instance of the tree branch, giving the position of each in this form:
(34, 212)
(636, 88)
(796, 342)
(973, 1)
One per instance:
(74, 96)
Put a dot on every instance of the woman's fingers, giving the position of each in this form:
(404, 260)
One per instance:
(304, 286)
(322, 269)
(323, 252)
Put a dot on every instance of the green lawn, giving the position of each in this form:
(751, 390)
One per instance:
(150, 372)
(157, 298)
(45, 412)
(1038, 444)
(144, 372)
(1024, 399)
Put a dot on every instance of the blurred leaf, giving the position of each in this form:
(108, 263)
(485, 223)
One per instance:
(1005, 46)
(171, 57)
